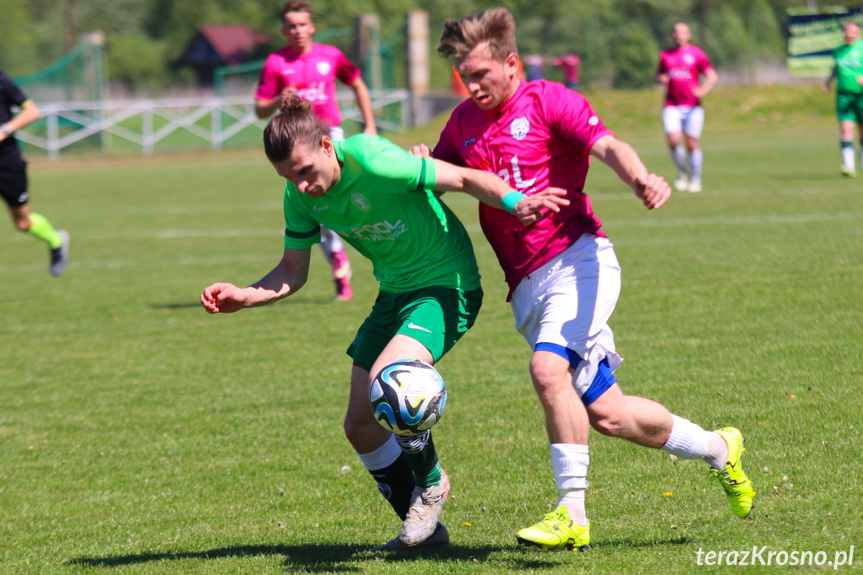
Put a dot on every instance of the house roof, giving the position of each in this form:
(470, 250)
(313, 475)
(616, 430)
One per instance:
(232, 42)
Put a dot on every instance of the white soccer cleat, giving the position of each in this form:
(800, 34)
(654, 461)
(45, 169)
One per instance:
(694, 186)
(426, 506)
(439, 538)
(681, 184)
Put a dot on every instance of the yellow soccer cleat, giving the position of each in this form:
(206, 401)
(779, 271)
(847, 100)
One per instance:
(737, 486)
(556, 531)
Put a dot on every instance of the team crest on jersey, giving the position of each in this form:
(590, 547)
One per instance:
(519, 128)
(689, 59)
(593, 121)
(361, 202)
(324, 68)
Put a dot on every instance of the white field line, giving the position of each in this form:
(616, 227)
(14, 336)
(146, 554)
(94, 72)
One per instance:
(172, 234)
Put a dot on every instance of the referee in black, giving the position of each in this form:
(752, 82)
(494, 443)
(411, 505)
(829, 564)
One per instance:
(13, 174)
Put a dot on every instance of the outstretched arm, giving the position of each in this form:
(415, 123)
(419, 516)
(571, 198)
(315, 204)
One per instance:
(364, 103)
(490, 189)
(651, 189)
(285, 279)
(29, 113)
(825, 87)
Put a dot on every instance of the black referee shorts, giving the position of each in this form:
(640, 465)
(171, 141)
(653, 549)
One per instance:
(13, 179)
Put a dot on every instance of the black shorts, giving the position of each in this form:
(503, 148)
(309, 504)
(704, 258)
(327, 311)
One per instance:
(13, 179)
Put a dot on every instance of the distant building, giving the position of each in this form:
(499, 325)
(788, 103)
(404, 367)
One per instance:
(215, 46)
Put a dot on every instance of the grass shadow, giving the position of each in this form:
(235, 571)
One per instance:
(636, 544)
(336, 558)
(184, 305)
(312, 557)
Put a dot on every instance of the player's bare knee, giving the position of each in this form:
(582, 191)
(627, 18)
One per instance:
(356, 430)
(547, 381)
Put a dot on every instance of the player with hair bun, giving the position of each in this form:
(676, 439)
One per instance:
(383, 202)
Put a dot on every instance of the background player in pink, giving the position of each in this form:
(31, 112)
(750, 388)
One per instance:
(563, 275)
(571, 65)
(680, 69)
(310, 71)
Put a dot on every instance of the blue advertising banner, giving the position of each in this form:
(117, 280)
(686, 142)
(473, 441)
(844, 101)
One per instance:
(812, 36)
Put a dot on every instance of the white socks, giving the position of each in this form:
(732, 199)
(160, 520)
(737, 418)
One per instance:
(569, 463)
(383, 456)
(678, 155)
(689, 441)
(686, 440)
(848, 157)
(696, 159)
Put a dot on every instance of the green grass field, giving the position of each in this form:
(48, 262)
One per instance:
(140, 435)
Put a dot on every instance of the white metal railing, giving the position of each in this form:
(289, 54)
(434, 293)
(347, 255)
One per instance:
(67, 123)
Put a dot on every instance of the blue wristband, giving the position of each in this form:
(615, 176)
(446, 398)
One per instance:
(510, 200)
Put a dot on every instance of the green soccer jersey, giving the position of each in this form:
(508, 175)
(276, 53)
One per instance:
(849, 66)
(382, 205)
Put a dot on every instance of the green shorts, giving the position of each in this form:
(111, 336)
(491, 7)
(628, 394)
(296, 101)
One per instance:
(849, 107)
(436, 317)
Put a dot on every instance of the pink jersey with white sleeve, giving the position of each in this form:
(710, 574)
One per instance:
(539, 138)
(313, 74)
(683, 66)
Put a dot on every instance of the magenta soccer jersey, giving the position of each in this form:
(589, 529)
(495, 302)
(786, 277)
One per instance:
(683, 66)
(312, 74)
(540, 138)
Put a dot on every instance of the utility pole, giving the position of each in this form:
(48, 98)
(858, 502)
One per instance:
(702, 22)
(69, 21)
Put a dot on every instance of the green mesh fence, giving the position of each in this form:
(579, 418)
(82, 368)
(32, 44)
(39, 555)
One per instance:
(77, 77)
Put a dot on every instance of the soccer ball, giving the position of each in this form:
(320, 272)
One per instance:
(408, 397)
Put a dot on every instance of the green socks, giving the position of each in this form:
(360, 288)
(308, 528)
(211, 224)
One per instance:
(41, 228)
(422, 457)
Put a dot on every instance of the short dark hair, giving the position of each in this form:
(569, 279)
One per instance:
(495, 25)
(296, 123)
(295, 6)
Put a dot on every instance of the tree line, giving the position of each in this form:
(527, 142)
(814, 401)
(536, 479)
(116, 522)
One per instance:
(618, 40)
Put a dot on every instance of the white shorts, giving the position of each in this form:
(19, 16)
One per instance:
(688, 119)
(337, 134)
(565, 305)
